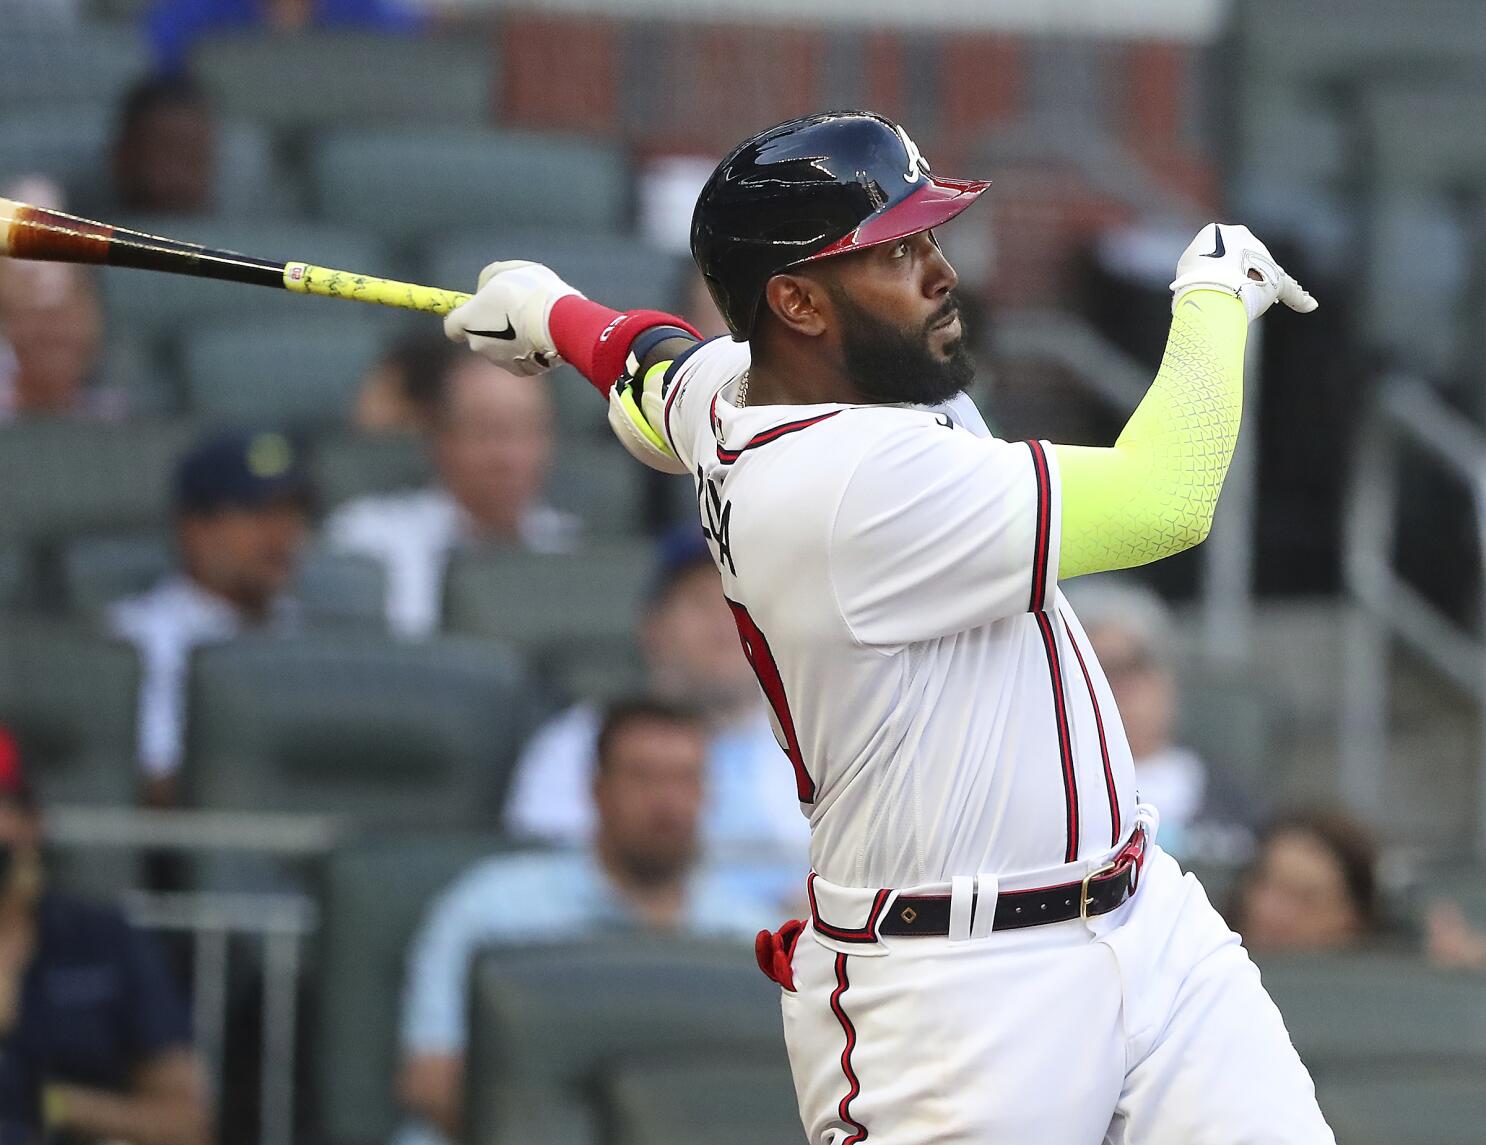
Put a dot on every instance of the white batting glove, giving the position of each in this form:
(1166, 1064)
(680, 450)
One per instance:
(506, 319)
(1227, 257)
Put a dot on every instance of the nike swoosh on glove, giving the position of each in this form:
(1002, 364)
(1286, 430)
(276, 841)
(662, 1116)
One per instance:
(505, 321)
(1227, 257)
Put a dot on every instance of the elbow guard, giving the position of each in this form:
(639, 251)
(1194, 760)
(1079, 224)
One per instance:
(637, 417)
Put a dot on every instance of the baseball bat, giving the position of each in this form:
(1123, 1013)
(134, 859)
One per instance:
(37, 233)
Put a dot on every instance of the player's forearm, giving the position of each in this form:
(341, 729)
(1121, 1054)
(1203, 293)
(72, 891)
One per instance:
(1155, 492)
(599, 342)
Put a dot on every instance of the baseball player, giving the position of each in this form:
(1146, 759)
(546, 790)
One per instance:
(998, 951)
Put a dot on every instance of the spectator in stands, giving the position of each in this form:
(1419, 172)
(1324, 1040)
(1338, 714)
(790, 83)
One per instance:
(1312, 886)
(51, 344)
(242, 504)
(492, 449)
(690, 646)
(164, 151)
(401, 392)
(176, 25)
(639, 873)
(1202, 814)
(94, 1039)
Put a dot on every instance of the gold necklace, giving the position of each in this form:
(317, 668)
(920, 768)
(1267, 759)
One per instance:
(740, 399)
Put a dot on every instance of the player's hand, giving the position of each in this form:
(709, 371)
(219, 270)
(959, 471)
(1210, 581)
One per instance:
(506, 319)
(1227, 257)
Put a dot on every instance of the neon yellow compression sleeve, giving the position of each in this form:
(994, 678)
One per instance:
(1154, 493)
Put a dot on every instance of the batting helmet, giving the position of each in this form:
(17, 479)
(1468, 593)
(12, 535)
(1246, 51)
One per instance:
(809, 189)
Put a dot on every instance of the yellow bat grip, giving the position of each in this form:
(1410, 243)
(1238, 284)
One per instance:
(302, 278)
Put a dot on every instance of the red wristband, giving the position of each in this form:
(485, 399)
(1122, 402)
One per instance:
(596, 340)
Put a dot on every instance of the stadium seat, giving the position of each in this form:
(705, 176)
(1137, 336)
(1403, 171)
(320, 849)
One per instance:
(296, 373)
(330, 78)
(413, 183)
(383, 733)
(57, 64)
(374, 894)
(1393, 1109)
(63, 477)
(681, 1103)
(157, 308)
(548, 1022)
(351, 465)
(582, 413)
(624, 273)
(15, 576)
(72, 700)
(66, 144)
(1413, 1013)
(549, 604)
(600, 483)
(336, 589)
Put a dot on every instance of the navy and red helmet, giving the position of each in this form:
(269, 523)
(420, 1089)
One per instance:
(808, 189)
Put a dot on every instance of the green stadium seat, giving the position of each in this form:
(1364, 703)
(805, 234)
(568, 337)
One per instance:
(374, 893)
(296, 373)
(681, 1103)
(336, 589)
(1345, 1011)
(377, 731)
(72, 700)
(45, 63)
(582, 414)
(315, 79)
(15, 576)
(1388, 1109)
(65, 144)
(157, 308)
(351, 465)
(550, 605)
(600, 483)
(415, 183)
(60, 477)
(548, 1022)
(625, 273)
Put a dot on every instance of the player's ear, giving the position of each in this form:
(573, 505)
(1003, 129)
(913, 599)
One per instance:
(797, 301)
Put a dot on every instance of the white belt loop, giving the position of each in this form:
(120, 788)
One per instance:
(961, 899)
(987, 889)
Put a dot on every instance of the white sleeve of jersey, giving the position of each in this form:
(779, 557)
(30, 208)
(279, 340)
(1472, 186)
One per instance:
(693, 381)
(939, 530)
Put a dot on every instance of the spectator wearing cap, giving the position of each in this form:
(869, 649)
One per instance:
(492, 451)
(242, 505)
(641, 871)
(1203, 814)
(95, 1044)
(690, 647)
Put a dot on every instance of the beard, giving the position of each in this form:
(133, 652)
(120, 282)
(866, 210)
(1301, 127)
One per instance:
(889, 364)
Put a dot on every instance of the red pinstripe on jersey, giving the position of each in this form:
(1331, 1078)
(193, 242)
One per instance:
(1109, 779)
(853, 1085)
(1043, 537)
(867, 933)
(728, 456)
(1065, 737)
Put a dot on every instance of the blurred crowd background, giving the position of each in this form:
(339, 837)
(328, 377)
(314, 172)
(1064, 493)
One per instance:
(377, 760)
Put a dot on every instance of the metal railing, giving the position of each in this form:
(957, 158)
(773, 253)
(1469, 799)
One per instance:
(1385, 606)
(1118, 382)
(281, 923)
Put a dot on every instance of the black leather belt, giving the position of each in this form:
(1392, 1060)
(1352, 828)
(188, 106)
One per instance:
(1100, 892)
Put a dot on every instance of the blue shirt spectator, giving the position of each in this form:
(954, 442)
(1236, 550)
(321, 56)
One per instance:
(95, 1043)
(175, 25)
(640, 872)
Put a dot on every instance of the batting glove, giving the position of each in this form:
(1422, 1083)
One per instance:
(1227, 257)
(506, 319)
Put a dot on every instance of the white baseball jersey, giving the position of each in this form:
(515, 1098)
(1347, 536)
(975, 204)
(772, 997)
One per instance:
(892, 570)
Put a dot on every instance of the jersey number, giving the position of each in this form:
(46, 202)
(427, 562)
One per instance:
(756, 648)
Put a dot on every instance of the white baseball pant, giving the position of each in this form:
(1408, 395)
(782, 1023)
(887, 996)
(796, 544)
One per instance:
(1146, 1026)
